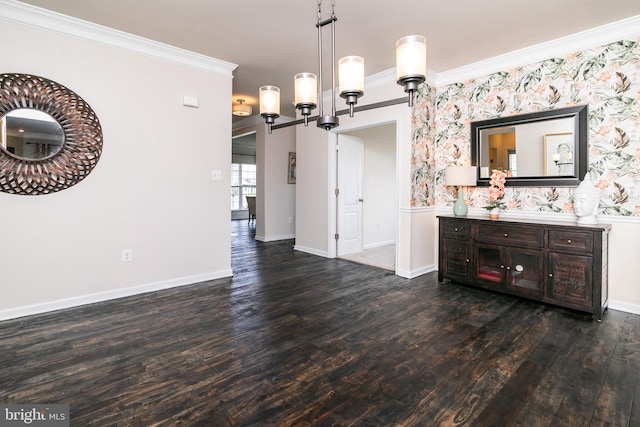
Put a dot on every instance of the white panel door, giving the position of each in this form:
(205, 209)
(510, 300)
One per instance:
(350, 189)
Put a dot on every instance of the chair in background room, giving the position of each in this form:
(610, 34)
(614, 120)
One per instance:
(251, 205)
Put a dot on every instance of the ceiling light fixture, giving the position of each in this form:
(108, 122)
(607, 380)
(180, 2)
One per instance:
(411, 66)
(241, 109)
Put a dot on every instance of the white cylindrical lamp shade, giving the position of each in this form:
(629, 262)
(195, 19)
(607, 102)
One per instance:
(306, 89)
(411, 57)
(460, 175)
(270, 100)
(351, 74)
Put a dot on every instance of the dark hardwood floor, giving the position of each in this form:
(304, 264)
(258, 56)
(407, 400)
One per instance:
(295, 340)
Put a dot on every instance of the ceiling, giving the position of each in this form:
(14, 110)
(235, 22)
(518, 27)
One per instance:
(272, 41)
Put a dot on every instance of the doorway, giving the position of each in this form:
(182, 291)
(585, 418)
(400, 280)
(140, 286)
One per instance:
(243, 175)
(366, 198)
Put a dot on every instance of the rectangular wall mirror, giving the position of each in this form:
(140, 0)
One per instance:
(542, 149)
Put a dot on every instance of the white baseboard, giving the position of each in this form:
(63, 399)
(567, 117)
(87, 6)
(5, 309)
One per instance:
(275, 238)
(28, 310)
(311, 251)
(412, 274)
(624, 306)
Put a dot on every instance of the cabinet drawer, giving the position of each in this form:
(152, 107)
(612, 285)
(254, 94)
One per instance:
(569, 240)
(532, 237)
(458, 230)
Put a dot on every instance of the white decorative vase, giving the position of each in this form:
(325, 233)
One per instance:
(494, 213)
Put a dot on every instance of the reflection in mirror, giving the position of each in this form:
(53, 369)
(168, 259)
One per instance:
(545, 148)
(535, 147)
(30, 134)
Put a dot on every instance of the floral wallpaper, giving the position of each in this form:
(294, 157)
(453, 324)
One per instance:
(607, 78)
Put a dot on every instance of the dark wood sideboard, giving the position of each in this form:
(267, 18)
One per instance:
(556, 263)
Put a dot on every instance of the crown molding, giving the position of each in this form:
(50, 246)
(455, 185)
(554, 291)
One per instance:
(609, 33)
(15, 11)
(629, 27)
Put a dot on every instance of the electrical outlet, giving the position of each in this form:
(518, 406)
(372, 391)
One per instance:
(216, 175)
(127, 255)
(290, 220)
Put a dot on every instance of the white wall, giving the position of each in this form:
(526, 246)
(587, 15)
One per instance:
(280, 197)
(152, 190)
(380, 213)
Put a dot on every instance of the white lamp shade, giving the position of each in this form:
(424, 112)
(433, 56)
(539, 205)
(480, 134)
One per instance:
(411, 57)
(306, 89)
(269, 100)
(460, 175)
(351, 74)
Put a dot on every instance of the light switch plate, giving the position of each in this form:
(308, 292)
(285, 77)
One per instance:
(190, 101)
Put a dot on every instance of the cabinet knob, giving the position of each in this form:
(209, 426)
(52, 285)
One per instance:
(467, 260)
(506, 234)
(502, 267)
(455, 229)
(550, 274)
(569, 241)
(508, 268)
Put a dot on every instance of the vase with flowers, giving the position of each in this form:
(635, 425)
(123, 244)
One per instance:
(496, 193)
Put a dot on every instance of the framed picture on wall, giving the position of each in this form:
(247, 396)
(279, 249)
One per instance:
(291, 173)
(558, 154)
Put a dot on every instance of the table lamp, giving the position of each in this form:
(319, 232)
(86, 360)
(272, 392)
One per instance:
(460, 176)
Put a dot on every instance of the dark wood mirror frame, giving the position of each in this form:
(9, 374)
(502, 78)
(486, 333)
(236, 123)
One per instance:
(82, 145)
(580, 147)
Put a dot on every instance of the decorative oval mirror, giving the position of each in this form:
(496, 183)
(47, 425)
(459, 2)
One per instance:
(30, 134)
(50, 138)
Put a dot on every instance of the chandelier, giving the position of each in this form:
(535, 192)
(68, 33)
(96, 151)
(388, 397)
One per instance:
(411, 67)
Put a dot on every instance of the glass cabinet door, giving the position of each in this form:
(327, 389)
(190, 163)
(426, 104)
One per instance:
(489, 266)
(524, 271)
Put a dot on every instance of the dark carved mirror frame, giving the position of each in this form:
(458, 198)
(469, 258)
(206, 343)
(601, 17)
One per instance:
(82, 136)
